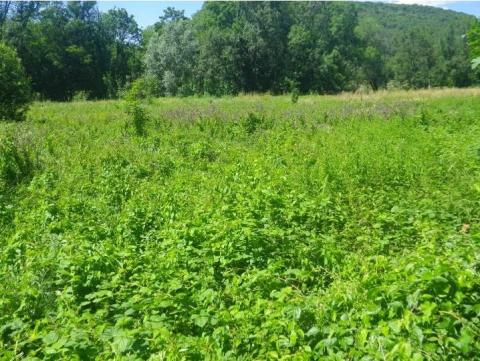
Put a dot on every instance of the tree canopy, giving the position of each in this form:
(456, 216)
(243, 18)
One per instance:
(474, 43)
(233, 47)
(14, 87)
(71, 47)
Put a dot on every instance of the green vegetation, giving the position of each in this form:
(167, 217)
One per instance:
(295, 227)
(433, 37)
(70, 47)
(14, 87)
(331, 228)
(474, 43)
(70, 50)
(323, 47)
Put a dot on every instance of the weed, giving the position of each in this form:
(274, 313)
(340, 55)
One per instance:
(135, 109)
(294, 95)
(16, 164)
(255, 230)
(252, 122)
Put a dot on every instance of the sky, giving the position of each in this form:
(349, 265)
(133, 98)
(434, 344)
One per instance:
(147, 12)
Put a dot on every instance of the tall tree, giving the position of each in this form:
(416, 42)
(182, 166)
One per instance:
(86, 55)
(124, 58)
(170, 14)
(248, 43)
(67, 47)
(414, 60)
(170, 58)
(4, 9)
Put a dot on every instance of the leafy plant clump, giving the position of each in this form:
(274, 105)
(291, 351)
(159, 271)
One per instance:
(137, 116)
(295, 94)
(252, 122)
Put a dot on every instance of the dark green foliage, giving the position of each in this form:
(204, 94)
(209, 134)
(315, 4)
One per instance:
(170, 15)
(321, 47)
(418, 46)
(14, 87)
(259, 47)
(414, 61)
(238, 47)
(474, 40)
(124, 61)
(67, 47)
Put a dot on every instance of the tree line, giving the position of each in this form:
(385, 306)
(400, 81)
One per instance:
(72, 49)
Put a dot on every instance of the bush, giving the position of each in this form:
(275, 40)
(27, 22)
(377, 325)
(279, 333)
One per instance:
(14, 86)
(294, 95)
(139, 89)
(134, 108)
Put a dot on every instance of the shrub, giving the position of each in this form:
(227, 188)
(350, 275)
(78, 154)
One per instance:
(14, 86)
(134, 108)
(139, 89)
(138, 117)
(293, 87)
(295, 94)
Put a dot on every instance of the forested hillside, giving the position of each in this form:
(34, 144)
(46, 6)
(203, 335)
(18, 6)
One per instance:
(419, 45)
(73, 50)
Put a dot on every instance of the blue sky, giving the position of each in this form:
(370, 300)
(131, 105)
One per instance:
(469, 7)
(147, 12)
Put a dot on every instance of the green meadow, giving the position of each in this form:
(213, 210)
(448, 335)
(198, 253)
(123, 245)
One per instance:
(246, 228)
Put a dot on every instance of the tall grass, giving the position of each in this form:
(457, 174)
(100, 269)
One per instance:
(337, 228)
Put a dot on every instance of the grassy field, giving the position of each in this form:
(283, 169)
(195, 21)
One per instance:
(251, 228)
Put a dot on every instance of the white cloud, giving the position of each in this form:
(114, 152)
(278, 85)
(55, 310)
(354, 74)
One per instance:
(421, 2)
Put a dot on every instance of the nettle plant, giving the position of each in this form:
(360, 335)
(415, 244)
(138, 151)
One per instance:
(137, 116)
